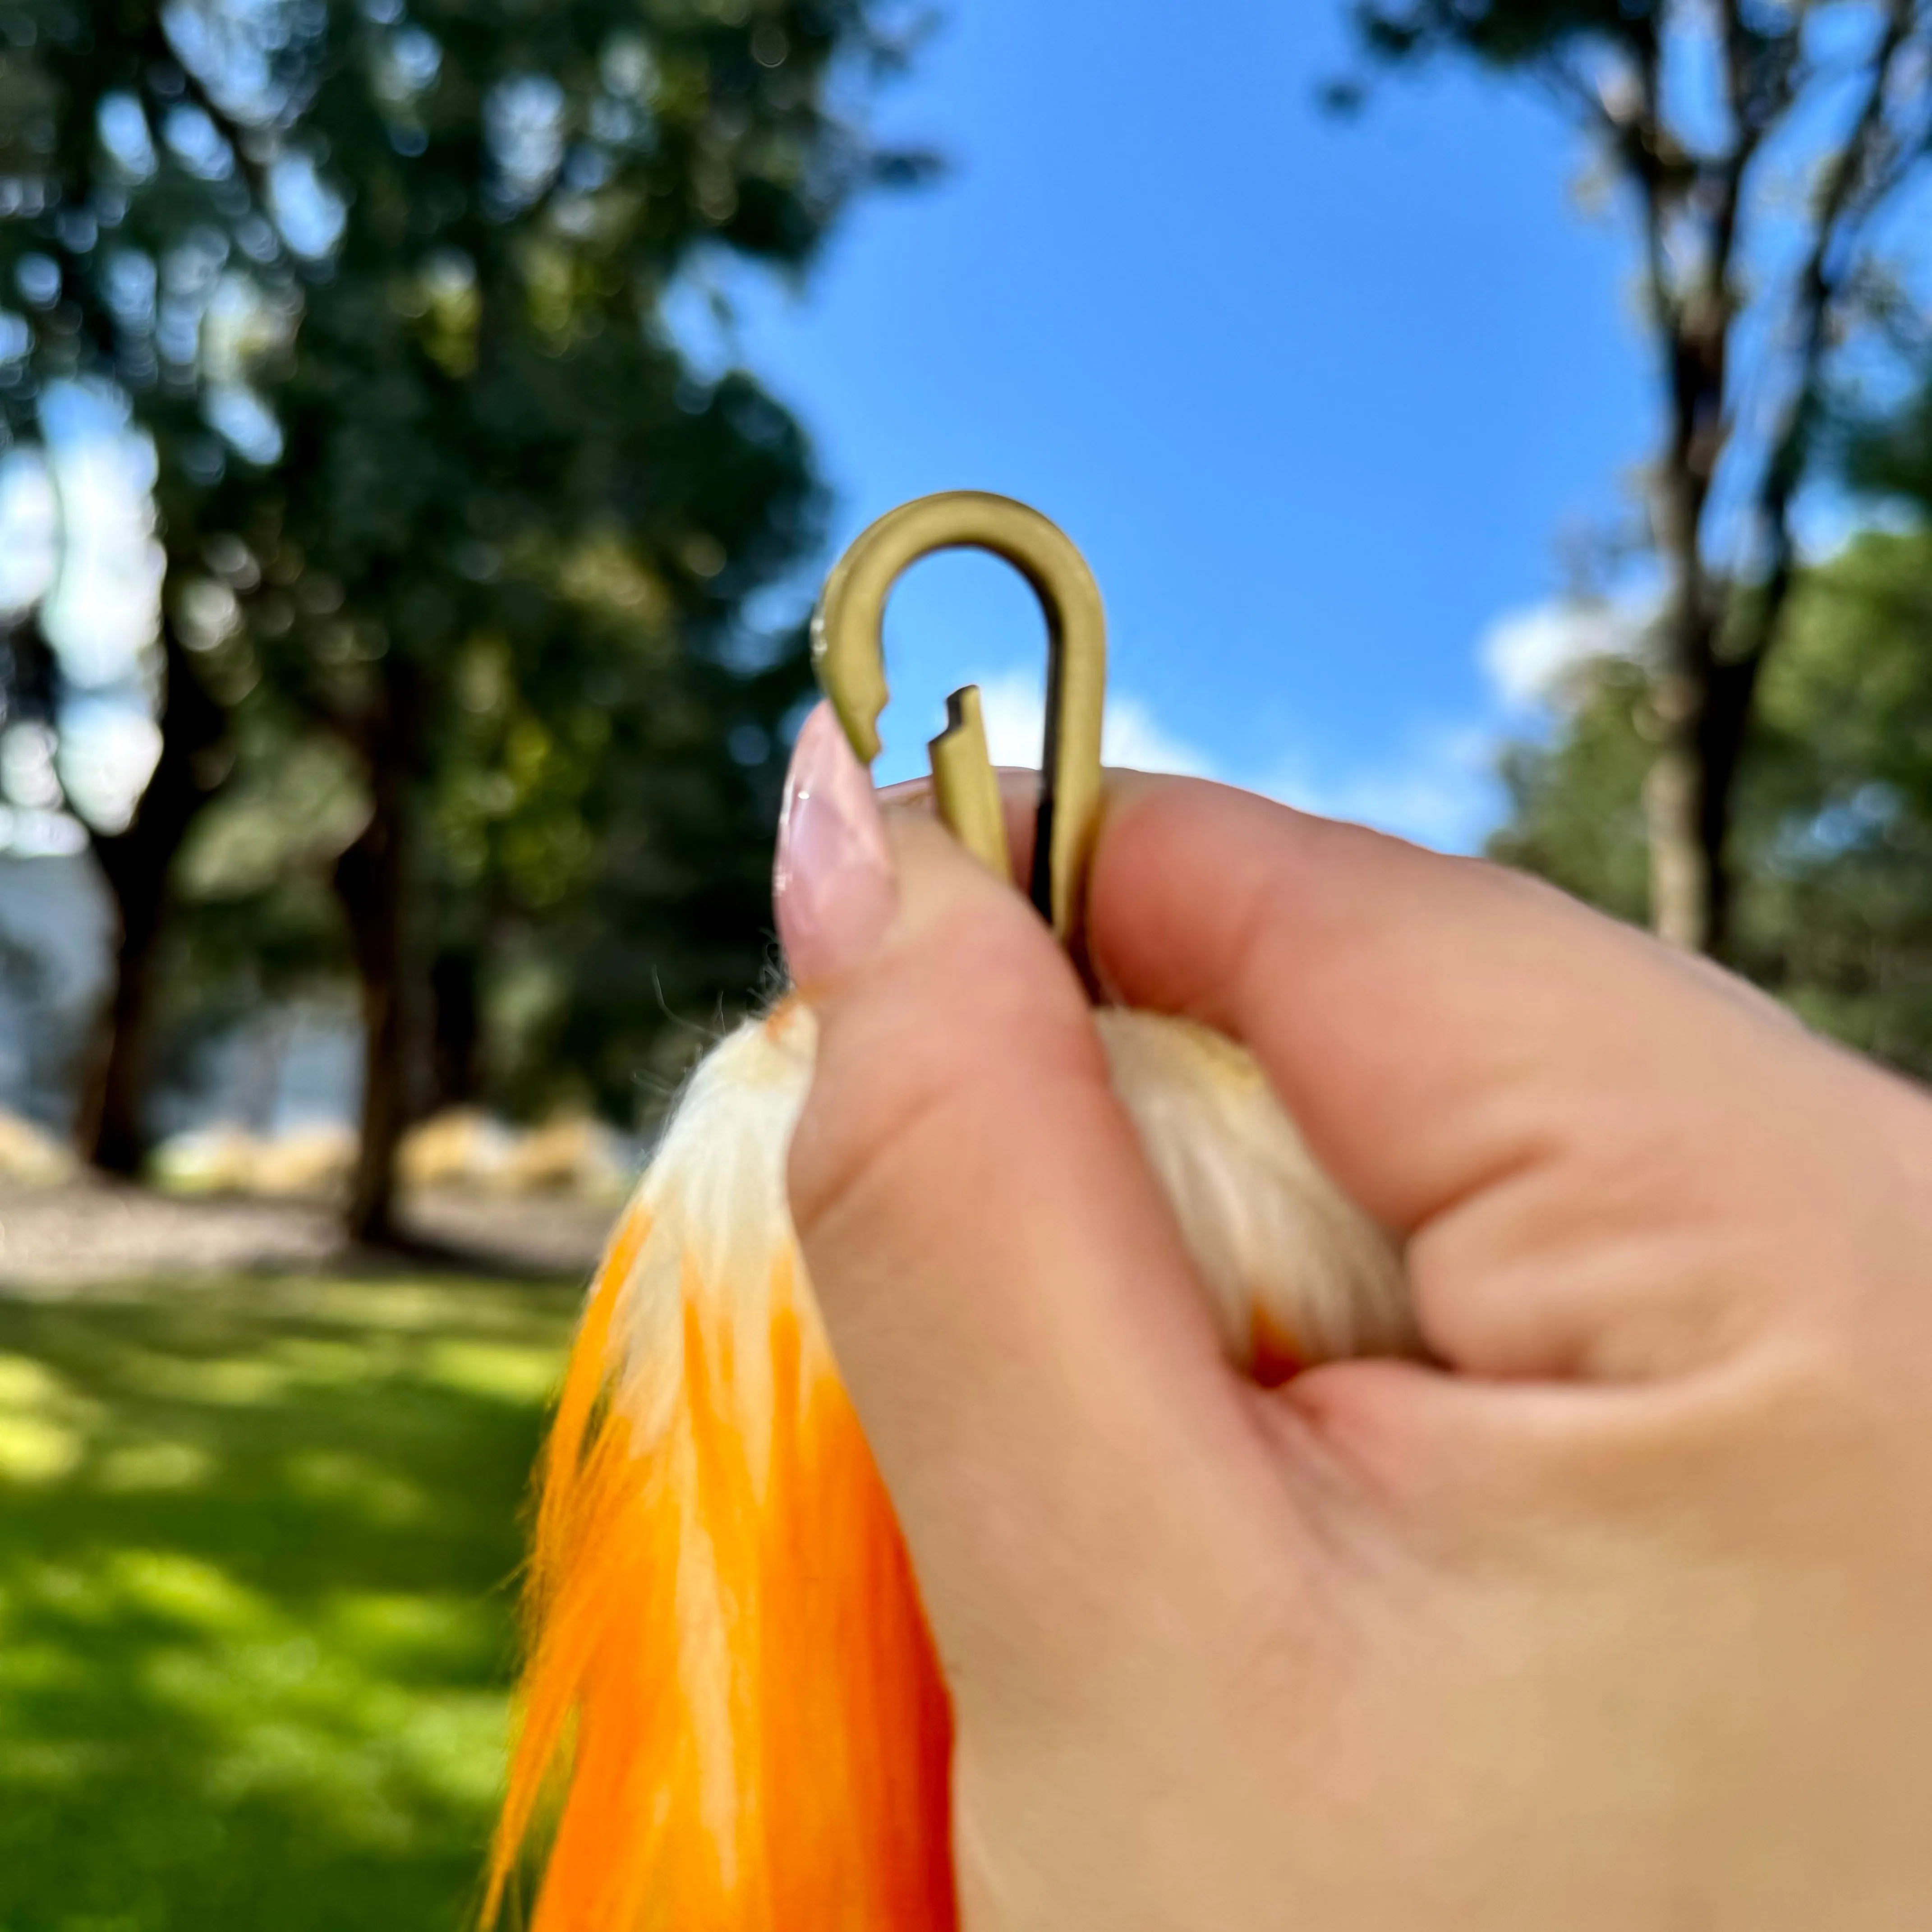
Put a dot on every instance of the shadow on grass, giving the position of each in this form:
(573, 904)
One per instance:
(257, 1543)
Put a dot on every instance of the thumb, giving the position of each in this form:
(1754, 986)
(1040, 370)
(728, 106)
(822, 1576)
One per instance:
(1001, 1280)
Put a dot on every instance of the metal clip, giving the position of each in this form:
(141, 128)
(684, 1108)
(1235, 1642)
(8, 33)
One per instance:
(847, 650)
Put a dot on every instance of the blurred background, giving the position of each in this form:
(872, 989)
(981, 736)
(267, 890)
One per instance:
(422, 428)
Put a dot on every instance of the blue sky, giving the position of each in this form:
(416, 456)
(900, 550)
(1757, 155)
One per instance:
(1316, 398)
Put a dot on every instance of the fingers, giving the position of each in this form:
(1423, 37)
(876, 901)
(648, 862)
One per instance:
(1002, 1283)
(1553, 1107)
(1019, 805)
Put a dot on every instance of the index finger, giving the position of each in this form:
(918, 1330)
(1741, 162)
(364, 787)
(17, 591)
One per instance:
(1526, 1088)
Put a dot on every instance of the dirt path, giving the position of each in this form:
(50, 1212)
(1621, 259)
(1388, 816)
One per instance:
(60, 1239)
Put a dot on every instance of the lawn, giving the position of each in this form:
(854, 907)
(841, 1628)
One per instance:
(258, 1544)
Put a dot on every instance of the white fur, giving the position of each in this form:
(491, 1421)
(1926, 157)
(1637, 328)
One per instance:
(1269, 1232)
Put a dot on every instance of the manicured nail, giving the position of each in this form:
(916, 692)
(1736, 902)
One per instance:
(832, 883)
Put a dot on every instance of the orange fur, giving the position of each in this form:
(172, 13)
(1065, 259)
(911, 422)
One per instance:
(733, 1720)
(730, 1674)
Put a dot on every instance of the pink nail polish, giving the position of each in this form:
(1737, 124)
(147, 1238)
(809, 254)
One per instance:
(832, 882)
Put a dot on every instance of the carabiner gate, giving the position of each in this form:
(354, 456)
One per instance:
(848, 650)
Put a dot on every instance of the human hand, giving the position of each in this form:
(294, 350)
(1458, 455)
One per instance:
(1620, 1616)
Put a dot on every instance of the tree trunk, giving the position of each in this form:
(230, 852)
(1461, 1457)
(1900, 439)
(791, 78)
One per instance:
(1703, 709)
(456, 1045)
(136, 865)
(371, 883)
(1680, 881)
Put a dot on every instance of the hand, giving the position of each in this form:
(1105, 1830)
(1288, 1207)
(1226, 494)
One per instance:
(1619, 1618)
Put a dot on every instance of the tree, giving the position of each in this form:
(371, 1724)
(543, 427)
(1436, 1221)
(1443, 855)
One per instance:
(598, 875)
(254, 936)
(384, 291)
(121, 209)
(1834, 809)
(1757, 287)
(494, 453)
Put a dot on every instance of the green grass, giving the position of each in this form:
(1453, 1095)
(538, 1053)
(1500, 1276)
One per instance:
(258, 1544)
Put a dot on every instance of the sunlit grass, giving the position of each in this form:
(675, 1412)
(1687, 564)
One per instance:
(257, 1547)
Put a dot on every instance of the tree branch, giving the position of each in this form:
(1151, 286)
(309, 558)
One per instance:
(1748, 128)
(1814, 303)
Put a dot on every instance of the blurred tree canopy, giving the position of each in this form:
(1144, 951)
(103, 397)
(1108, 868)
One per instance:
(1834, 805)
(458, 541)
(115, 212)
(1772, 156)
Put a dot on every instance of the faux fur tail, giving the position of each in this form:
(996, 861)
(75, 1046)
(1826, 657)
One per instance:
(732, 1718)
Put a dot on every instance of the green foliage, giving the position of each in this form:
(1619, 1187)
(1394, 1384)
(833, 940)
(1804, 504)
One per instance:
(1834, 834)
(170, 177)
(255, 925)
(120, 206)
(1577, 805)
(624, 919)
(1890, 456)
(257, 1546)
(386, 284)
(255, 918)
(505, 555)
(1841, 919)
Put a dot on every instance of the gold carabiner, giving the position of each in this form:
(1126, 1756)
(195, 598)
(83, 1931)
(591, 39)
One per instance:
(847, 649)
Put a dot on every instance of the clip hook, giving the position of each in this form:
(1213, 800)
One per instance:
(847, 650)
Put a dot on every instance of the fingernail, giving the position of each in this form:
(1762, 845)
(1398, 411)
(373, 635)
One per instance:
(832, 888)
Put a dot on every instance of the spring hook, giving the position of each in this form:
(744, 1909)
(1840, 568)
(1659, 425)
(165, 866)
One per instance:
(848, 650)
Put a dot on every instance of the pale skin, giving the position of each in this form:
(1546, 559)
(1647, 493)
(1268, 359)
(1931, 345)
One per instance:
(1618, 1615)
